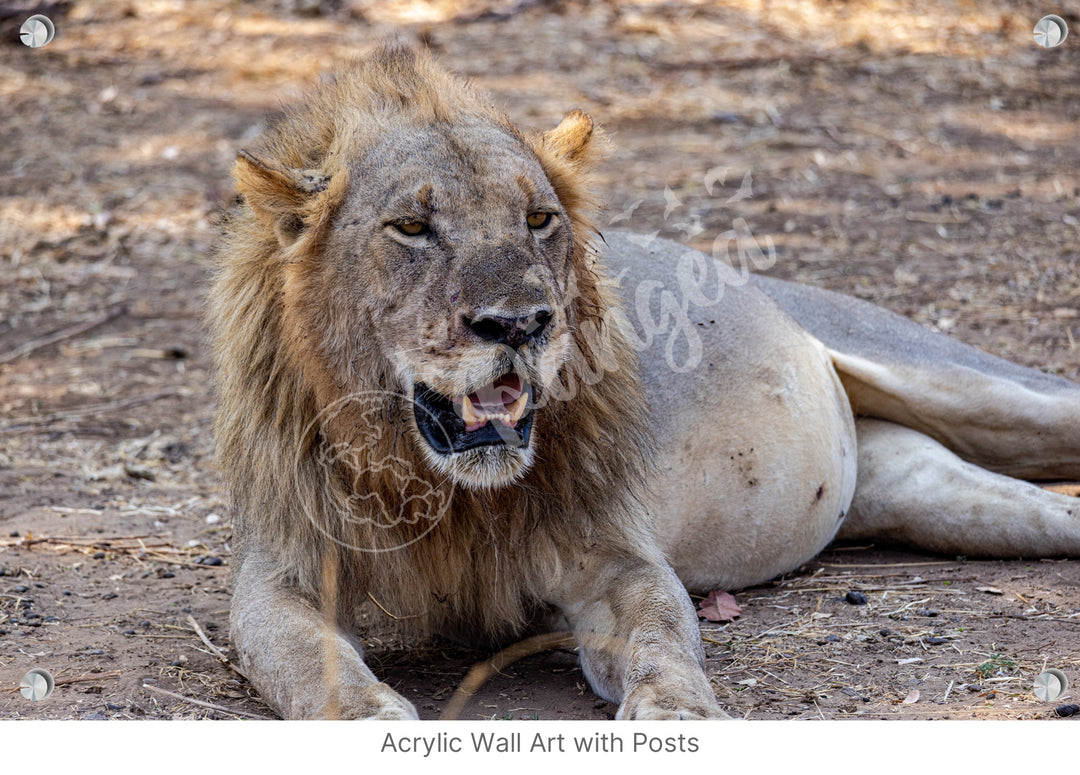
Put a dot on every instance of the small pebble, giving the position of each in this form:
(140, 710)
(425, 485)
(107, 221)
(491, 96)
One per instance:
(855, 597)
(1067, 710)
(31, 615)
(129, 632)
(51, 619)
(109, 596)
(20, 588)
(144, 623)
(186, 609)
(928, 612)
(885, 632)
(935, 641)
(210, 561)
(111, 706)
(13, 534)
(99, 555)
(66, 593)
(94, 652)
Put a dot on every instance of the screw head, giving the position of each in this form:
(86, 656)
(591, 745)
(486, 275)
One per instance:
(1050, 684)
(37, 31)
(1051, 31)
(37, 684)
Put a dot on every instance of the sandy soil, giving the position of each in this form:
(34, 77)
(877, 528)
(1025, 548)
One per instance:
(920, 155)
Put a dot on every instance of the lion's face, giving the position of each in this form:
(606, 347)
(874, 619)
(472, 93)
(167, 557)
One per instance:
(454, 266)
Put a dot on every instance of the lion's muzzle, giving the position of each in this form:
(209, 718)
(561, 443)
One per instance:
(499, 413)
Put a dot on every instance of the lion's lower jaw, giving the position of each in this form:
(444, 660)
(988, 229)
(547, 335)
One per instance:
(483, 468)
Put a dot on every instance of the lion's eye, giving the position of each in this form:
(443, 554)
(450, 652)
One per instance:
(538, 220)
(412, 228)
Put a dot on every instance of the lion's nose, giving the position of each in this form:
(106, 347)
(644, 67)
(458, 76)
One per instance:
(511, 331)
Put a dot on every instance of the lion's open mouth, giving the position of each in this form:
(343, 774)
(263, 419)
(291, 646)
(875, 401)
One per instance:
(500, 412)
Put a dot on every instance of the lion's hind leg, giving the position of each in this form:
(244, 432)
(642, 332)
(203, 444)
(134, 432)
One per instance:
(913, 490)
(1001, 416)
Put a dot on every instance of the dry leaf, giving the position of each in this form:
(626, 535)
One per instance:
(990, 590)
(912, 698)
(719, 607)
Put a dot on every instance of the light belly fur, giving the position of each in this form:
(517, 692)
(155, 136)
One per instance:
(756, 439)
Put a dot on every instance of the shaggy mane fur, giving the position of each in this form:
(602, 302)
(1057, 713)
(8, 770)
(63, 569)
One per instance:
(308, 482)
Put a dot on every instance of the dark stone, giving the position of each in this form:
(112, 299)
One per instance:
(855, 597)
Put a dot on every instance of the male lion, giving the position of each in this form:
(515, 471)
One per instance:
(431, 399)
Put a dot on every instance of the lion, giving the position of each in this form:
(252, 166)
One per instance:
(434, 399)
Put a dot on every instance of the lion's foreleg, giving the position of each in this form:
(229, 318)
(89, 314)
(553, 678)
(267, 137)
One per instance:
(301, 663)
(912, 489)
(639, 637)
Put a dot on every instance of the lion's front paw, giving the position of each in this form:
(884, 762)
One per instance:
(373, 701)
(650, 702)
(379, 701)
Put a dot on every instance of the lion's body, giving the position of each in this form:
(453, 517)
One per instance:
(431, 400)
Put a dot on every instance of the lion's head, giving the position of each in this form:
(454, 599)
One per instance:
(439, 253)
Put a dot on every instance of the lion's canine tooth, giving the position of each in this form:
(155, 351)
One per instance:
(468, 414)
(517, 409)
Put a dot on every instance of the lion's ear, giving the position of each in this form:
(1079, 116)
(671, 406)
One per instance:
(280, 196)
(571, 139)
(568, 154)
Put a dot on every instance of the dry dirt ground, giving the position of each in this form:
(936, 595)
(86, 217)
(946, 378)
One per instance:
(922, 155)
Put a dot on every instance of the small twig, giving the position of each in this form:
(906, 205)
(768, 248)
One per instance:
(498, 16)
(76, 679)
(64, 333)
(68, 414)
(217, 652)
(84, 542)
(480, 672)
(201, 704)
(87, 677)
(395, 617)
(886, 564)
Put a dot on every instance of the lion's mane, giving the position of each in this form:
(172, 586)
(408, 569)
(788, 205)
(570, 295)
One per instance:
(314, 494)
